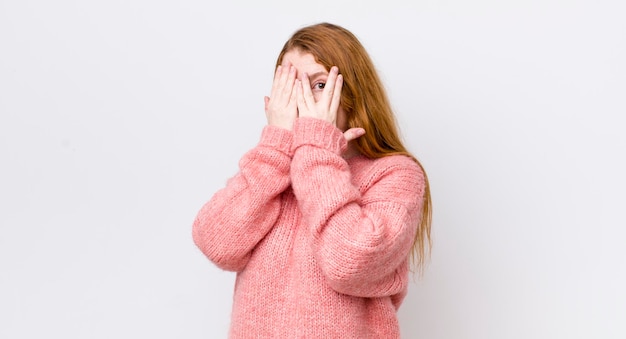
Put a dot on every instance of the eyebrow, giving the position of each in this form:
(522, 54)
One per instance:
(316, 74)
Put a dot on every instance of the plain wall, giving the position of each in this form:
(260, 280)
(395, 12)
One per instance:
(119, 119)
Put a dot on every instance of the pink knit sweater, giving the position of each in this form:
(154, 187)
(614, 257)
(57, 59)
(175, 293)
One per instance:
(320, 244)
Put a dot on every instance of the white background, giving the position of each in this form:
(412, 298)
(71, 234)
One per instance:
(119, 119)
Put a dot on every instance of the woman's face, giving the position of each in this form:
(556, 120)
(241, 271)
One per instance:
(305, 63)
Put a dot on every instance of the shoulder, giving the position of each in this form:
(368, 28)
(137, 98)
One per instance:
(394, 174)
(392, 164)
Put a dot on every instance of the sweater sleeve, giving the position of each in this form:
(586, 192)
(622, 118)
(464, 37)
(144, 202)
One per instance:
(362, 240)
(238, 216)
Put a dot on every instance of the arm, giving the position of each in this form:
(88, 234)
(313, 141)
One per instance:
(232, 223)
(361, 241)
(238, 216)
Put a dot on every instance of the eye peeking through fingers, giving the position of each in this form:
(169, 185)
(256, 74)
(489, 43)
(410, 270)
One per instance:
(319, 86)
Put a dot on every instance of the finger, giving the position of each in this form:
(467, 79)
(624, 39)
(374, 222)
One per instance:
(284, 75)
(330, 84)
(267, 102)
(353, 133)
(300, 97)
(291, 78)
(283, 89)
(309, 99)
(277, 75)
(278, 72)
(279, 82)
(336, 98)
(293, 100)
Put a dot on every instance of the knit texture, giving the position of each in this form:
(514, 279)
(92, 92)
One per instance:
(320, 244)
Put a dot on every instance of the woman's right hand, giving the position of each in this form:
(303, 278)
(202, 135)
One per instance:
(281, 107)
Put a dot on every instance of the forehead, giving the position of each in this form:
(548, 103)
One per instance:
(303, 61)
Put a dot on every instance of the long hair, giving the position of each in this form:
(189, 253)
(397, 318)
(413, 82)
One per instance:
(365, 102)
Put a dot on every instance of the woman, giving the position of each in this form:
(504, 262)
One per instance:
(322, 217)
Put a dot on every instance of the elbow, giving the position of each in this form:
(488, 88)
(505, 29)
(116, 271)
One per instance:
(345, 284)
(345, 278)
(223, 255)
(366, 280)
(230, 263)
(368, 287)
(200, 237)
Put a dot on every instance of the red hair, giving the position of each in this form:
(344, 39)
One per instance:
(365, 102)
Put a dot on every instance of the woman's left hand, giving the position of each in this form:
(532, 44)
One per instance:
(327, 104)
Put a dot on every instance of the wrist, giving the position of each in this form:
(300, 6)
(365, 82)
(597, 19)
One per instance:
(278, 138)
(319, 133)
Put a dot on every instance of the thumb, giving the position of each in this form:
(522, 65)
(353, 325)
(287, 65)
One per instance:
(353, 133)
(267, 101)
